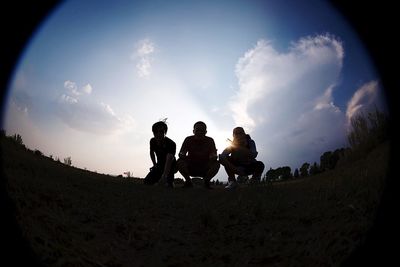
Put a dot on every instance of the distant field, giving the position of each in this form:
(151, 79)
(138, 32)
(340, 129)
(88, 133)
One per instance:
(73, 217)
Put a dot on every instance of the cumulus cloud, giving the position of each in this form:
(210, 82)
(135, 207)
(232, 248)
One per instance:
(285, 99)
(73, 89)
(143, 55)
(87, 89)
(363, 99)
(81, 112)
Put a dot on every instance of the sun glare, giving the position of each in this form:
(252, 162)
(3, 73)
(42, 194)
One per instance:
(229, 142)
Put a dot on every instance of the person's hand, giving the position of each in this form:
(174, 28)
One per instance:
(152, 168)
(213, 156)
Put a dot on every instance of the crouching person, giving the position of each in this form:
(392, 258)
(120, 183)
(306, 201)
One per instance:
(198, 156)
(240, 158)
(162, 154)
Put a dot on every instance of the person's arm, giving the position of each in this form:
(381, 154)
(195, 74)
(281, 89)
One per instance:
(169, 158)
(153, 157)
(184, 149)
(152, 154)
(213, 154)
(253, 149)
(168, 163)
(225, 153)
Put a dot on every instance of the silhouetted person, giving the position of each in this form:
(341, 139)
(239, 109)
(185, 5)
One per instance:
(198, 156)
(162, 154)
(240, 158)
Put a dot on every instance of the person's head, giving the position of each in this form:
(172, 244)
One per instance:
(239, 135)
(159, 129)
(199, 129)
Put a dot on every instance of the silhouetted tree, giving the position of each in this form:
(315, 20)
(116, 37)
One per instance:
(280, 173)
(304, 169)
(328, 160)
(38, 152)
(325, 161)
(368, 131)
(270, 175)
(284, 172)
(314, 169)
(68, 161)
(17, 139)
(296, 173)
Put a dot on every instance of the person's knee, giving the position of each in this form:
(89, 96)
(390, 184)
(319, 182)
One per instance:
(260, 166)
(222, 159)
(213, 168)
(181, 164)
(216, 166)
(225, 161)
(258, 170)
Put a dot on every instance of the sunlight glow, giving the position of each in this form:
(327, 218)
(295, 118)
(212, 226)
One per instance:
(95, 97)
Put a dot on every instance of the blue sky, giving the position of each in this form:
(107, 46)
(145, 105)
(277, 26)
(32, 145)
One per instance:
(97, 74)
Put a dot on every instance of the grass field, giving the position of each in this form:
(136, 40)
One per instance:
(73, 217)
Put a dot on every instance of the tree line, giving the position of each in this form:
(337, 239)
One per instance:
(367, 131)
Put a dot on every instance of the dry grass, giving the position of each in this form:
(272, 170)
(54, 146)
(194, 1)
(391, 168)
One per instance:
(73, 217)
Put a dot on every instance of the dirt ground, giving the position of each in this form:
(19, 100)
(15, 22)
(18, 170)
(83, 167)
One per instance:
(73, 217)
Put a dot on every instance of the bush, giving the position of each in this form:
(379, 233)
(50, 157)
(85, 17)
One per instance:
(68, 161)
(367, 132)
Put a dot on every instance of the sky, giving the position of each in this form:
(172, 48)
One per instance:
(96, 75)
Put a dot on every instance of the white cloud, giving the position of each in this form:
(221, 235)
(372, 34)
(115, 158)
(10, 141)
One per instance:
(363, 99)
(84, 113)
(285, 99)
(326, 100)
(146, 47)
(87, 89)
(143, 55)
(68, 99)
(73, 88)
(143, 68)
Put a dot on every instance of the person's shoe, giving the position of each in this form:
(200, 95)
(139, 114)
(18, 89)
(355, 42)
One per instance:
(254, 181)
(207, 184)
(188, 184)
(231, 185)
(170, 185)
(161, 182)
(243, 179)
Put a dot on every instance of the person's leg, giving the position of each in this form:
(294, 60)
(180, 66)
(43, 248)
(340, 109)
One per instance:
(258, 168)
(183, 167)
(171, 175)
(210, 171)
(153, 176)
(229, 168)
